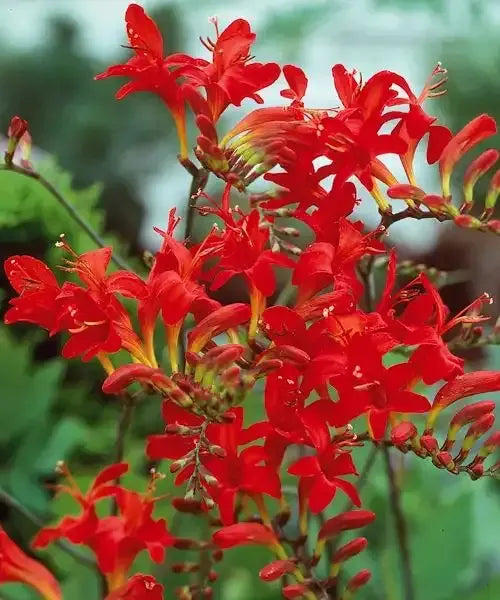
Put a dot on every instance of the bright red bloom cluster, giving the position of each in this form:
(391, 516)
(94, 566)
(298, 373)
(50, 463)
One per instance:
(331, 355)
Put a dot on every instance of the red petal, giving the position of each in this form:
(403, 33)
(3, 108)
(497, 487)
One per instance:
(296, 79)
(349, 490)
(377, 423)
(439, 136)
(110, 473)
(127, 284)
(23, 271)
(143, 33)
(321, 494)
(307, 466)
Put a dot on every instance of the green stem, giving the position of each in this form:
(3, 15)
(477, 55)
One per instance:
(75, 215)
(10, 501)
(401, 527)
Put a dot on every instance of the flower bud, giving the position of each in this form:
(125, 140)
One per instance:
(351, 519)
(185, 567)
(287, 354)
(403, 432)
(359, 580)
(477, 429)
(402, 191)
(493, 192)
(189, 544)
(276, 569)
(295, 590)
(244, 533)
(476, 470)
(345, 552)
(475, 170)
(217, 450)
(494, 225)
(350, 549)
(444, 460)
(463, 417)
(490, 445)
(17, 128)
(467, 222)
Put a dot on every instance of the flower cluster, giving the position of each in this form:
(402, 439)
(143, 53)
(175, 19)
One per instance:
(337, 366)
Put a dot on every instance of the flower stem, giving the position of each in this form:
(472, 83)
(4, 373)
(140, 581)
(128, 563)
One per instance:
(80, 557)
(400, 525)
(75, 215)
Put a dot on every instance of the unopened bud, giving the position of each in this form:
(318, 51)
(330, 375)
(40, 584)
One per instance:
(185, 567)
(402, 191)
(477, 429)
(295, 590)
(466, 415)
(17, 128)
(350, 549)
(288, 354)
(467, 222)
(217, 555)
(193, 507)
(490, 445)
(429, 443)
(217, 450)
(189, 544)
(476, 470)
(276, 569)
(403, 432)
(359, 580)
(444, 460)
(493, 192)
(475, 170)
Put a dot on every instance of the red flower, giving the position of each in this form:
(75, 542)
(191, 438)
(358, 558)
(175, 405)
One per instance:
(115, 540)
(18, 567)
(138, 587)
(239, 471)
(424, 321)
(96, 320)
(369, 387)
(37, 288)
(346, 521)
(149, 70)
(323, 263)
(173, 289)
(320, 477)
(230, 77)
(243, 251)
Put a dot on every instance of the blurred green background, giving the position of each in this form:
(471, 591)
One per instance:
(116, 162)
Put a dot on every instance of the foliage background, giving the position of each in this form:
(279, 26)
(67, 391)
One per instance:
(121, 158)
